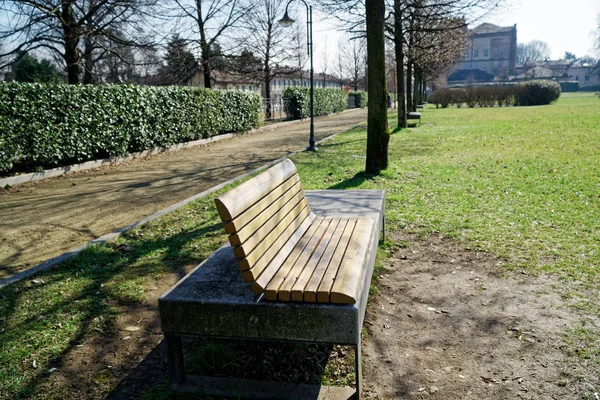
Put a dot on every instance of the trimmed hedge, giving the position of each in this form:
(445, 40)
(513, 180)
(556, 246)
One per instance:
(537, 93)
(360, 99)
(590, 88)
(327, 101)
(569, 86)
(51, 125)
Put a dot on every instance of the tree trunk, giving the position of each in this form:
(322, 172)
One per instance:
(88, 78)
(204, 46)
(398, 42)
(267, 81)
(378, 134)
(409, 75)
(71, 38)
(416, 85)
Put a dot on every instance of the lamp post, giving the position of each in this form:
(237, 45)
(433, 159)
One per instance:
(287, 21)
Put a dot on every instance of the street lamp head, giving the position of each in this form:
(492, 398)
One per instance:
(286, 20)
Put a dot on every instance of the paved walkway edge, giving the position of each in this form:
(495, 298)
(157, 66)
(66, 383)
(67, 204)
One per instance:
(109, 236)
(51, 173)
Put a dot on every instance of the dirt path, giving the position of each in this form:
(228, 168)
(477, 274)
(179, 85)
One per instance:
(41, 220)
(451, 323)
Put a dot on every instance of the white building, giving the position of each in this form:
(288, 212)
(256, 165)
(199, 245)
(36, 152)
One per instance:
(492, 49)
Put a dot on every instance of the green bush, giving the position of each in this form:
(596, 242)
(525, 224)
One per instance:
(570, 86)
(327, 101)
(360, 99)
(50, 125)
(536, 93)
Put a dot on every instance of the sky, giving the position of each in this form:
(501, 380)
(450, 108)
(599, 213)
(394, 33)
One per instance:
(564, 25)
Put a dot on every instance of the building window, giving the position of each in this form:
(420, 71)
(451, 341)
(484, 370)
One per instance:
(485, 52)
(476, 53)
(577, 78)
(587, 78)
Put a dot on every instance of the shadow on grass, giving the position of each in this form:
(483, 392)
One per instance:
(43, 320)
(353, 182)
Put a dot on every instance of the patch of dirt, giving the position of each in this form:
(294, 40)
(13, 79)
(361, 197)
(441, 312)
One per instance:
(46, 218)
(448, 323)
(451, 323)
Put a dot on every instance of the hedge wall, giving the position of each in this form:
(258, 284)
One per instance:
(327, 101)
(360, 98)
(569, 86)
(538, 92)
(50, 125)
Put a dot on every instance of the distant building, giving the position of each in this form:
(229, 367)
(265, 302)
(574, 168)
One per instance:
(561, 70)
(232, 81)
(492, 50)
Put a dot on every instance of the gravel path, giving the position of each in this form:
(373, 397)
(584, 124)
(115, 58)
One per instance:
(44, 219)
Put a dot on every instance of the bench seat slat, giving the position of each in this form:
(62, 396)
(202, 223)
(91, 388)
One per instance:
(324, 288)
(304, 278)
(277, 262)
(287, 268)
(347, 283)
(265, 257)
(291, 185)
(261, 240)
(310, 292)
(239, 199)
(285, 291)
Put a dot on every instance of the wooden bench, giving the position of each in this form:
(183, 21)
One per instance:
(288, 252)
(297, 267)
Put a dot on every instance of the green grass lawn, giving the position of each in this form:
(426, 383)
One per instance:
(522, 183)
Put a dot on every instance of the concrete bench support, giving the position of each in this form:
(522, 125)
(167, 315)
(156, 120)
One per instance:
(214, 301)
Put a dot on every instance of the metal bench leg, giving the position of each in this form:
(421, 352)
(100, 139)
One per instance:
(358, 370)
(175, 355)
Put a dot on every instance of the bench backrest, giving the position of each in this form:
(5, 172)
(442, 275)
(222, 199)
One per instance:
(261, 215)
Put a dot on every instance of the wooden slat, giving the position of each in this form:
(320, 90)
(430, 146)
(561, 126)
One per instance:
(282, 274)
(292, 185)
(298, 288)
(262, 239)
(256, 267)
(283, 206)
(237, 200)
(310, 291)
(329, 277)
(347, 282)
(278, 261)
(285, 290)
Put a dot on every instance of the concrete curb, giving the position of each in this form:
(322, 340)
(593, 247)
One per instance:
(54, 172)
(109, 236)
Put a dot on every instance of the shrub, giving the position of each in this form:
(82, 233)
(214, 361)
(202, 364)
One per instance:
(49, 125)
(570, 86)
(441, 97)
(536, 93)
(327, 101)
(360, 99)
(590, 88)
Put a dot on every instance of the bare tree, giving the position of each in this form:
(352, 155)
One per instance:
(532, 52)
(212, 20)
(58, 26)
(325, 61)
(268, 41)
(340, 65)
(300, 50)
(597, 34)
(356, 62)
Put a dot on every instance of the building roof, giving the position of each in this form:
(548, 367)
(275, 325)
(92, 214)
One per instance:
(491, 28)
(476, 75)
